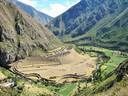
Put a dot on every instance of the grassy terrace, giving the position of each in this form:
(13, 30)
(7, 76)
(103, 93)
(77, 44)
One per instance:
(23, 87)
(63, 90)
(112, 63)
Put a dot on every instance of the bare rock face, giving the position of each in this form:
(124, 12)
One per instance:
(21, 35)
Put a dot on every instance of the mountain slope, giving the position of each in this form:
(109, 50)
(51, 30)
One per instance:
(94, 22)
(21, 35)
(39, 16)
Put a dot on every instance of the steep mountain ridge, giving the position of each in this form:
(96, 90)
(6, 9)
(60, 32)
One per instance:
(39, 16)
(21, 35)
(85, 23)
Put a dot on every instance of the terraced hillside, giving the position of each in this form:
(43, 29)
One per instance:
(94, 22)
(64, 66)
(110, 72)
(21, 86)
(21, 35)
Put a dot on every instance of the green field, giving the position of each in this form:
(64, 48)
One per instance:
(112, 63)
(67, 89)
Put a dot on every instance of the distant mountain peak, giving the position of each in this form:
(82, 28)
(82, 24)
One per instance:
(39, 16)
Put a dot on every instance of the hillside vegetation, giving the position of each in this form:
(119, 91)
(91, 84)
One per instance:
(101, 23)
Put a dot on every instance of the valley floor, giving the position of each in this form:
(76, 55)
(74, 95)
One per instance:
(71, 70)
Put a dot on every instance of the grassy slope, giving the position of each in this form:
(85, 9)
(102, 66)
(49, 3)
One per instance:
(119, 88)
(114, 61)
(92, 32)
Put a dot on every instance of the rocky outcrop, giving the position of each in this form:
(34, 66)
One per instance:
(21, 35)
